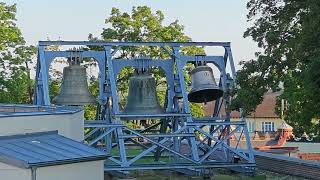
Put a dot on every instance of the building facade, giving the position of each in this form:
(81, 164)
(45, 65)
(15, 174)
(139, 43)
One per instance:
(19, 119)
(263, 119)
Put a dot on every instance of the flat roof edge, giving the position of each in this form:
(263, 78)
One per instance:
(22, 110)
(69, 161)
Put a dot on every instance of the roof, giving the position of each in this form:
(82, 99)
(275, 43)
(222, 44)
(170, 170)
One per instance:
(9, 110)
(264, 110)
(286, 126)
(45, 149)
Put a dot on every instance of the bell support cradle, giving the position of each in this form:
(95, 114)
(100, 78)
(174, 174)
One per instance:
(176, 139)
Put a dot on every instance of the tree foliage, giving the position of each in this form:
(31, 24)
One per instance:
(288, 31)
(15, 59)
(10, 35)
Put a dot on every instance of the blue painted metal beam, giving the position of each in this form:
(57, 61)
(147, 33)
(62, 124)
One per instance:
(108, 43)
(179, 166)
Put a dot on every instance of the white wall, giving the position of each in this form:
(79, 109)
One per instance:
(68, 125)
(8, 172)
(93, 170)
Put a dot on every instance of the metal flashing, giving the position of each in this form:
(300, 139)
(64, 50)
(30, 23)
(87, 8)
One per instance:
(13, 110)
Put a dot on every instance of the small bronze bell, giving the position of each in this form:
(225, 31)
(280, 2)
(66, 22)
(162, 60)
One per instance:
(142, 97)
(74, 89)
(203, 85)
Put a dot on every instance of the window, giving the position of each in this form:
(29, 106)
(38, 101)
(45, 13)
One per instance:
(251, 126)
(267, 126)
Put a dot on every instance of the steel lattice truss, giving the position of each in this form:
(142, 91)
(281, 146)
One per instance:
(175, 140)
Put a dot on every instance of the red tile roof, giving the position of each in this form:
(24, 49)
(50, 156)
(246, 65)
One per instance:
(264, 110)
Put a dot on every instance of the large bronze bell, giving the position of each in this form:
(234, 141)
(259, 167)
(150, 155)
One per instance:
(203, 85)
(74, 89)
(142, 97)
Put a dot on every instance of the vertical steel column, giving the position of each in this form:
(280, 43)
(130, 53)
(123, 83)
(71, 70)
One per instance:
(42, 86)
(176, 141)
(233, 69)
(163, 128)
(248, 141)
(38, 84)
(115, 104)
(104, 97)
(227, 99)
(103, 79)
(175, 127)
(186, 107)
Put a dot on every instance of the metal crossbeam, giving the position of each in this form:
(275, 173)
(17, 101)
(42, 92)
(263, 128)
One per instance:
(156, 144)
(91, 133)
(159, 135)
(152, 115)
(216, 146)
(101, 136)
(106, 43)
(179, 166)
(206, 123)
(219, 143)
(101, 124)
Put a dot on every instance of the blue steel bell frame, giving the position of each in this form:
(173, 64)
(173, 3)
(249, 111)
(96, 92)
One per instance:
(185, 140)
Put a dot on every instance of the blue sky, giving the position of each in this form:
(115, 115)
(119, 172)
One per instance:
(204, 20)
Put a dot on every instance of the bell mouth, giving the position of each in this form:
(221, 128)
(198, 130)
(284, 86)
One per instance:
(142, 110)
(204, 95)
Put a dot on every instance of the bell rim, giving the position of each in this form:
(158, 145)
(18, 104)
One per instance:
(206, 87)
(194, 96)
(141, 111)
(65, 100)
(74, 103)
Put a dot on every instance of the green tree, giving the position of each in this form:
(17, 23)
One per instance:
(15, 59)
(144, 25)
(288, 31)
(10, 35)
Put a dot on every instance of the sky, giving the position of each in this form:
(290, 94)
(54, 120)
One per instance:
(204, 20)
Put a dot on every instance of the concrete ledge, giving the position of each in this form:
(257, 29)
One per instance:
(287, 165)
(13, 110)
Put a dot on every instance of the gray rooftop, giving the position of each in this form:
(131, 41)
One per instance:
(9, 110)
(45, 149)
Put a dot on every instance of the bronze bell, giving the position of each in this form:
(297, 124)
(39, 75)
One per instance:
(203, 85)
(74, 89)
(142, 97)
